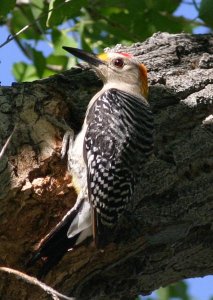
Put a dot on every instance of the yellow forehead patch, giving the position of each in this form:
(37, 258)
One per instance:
(103, 56)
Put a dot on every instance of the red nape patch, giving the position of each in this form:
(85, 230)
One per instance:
(125, 54)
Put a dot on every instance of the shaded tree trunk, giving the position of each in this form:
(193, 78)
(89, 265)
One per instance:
(169, 236)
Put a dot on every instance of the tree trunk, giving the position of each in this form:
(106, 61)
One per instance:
(169, 236)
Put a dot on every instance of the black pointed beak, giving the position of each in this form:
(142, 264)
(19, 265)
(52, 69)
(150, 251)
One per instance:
(90, 58)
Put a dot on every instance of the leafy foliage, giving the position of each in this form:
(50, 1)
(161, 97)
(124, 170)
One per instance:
(177, 291)
(205, 12)
(91, 24)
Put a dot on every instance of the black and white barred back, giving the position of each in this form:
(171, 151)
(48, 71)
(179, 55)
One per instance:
(118, 140)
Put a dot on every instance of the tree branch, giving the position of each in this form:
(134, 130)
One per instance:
(169, 234)
(29, 280)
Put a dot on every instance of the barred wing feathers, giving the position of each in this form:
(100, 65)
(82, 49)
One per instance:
(118, 140)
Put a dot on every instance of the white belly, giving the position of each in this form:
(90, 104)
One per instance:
(76, 162)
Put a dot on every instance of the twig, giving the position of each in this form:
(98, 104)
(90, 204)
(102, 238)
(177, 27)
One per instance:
(35, 281)
(195, 5)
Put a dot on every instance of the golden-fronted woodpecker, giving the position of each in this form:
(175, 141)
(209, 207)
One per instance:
(106, 158)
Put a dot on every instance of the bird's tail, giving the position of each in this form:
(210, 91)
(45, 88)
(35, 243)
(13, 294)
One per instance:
(53, 247)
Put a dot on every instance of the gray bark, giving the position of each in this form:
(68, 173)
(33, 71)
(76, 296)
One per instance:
(169, 235)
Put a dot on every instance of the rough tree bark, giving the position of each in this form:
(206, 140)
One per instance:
(169, 236)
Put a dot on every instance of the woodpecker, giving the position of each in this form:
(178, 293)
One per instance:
(106, 158)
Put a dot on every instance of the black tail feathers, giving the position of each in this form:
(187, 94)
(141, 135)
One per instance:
(103, 234)
(54, 246)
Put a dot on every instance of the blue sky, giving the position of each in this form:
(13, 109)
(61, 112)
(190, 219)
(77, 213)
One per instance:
(199, 288)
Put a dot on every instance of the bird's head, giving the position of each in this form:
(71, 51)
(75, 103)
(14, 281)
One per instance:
(116, 69)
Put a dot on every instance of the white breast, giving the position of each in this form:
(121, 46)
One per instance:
(77, 165)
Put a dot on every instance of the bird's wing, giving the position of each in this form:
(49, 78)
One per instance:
(118, 140)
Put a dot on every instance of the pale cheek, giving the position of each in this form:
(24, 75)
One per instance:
(131, 77)
(102, 74)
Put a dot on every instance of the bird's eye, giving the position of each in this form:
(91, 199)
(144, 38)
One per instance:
(118, 62)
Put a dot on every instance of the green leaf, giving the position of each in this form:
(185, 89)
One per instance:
(205, 12)
(6, 6)
(58, 63)
(24, 72)
(57, 60)
(37, 7)
(62, 11)
(179, 290)
(39, 62)
(163, 294)
(21, 18)
(163, 5)
(50, 13)
(59, 39)
(167, 22)
(48, 73)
